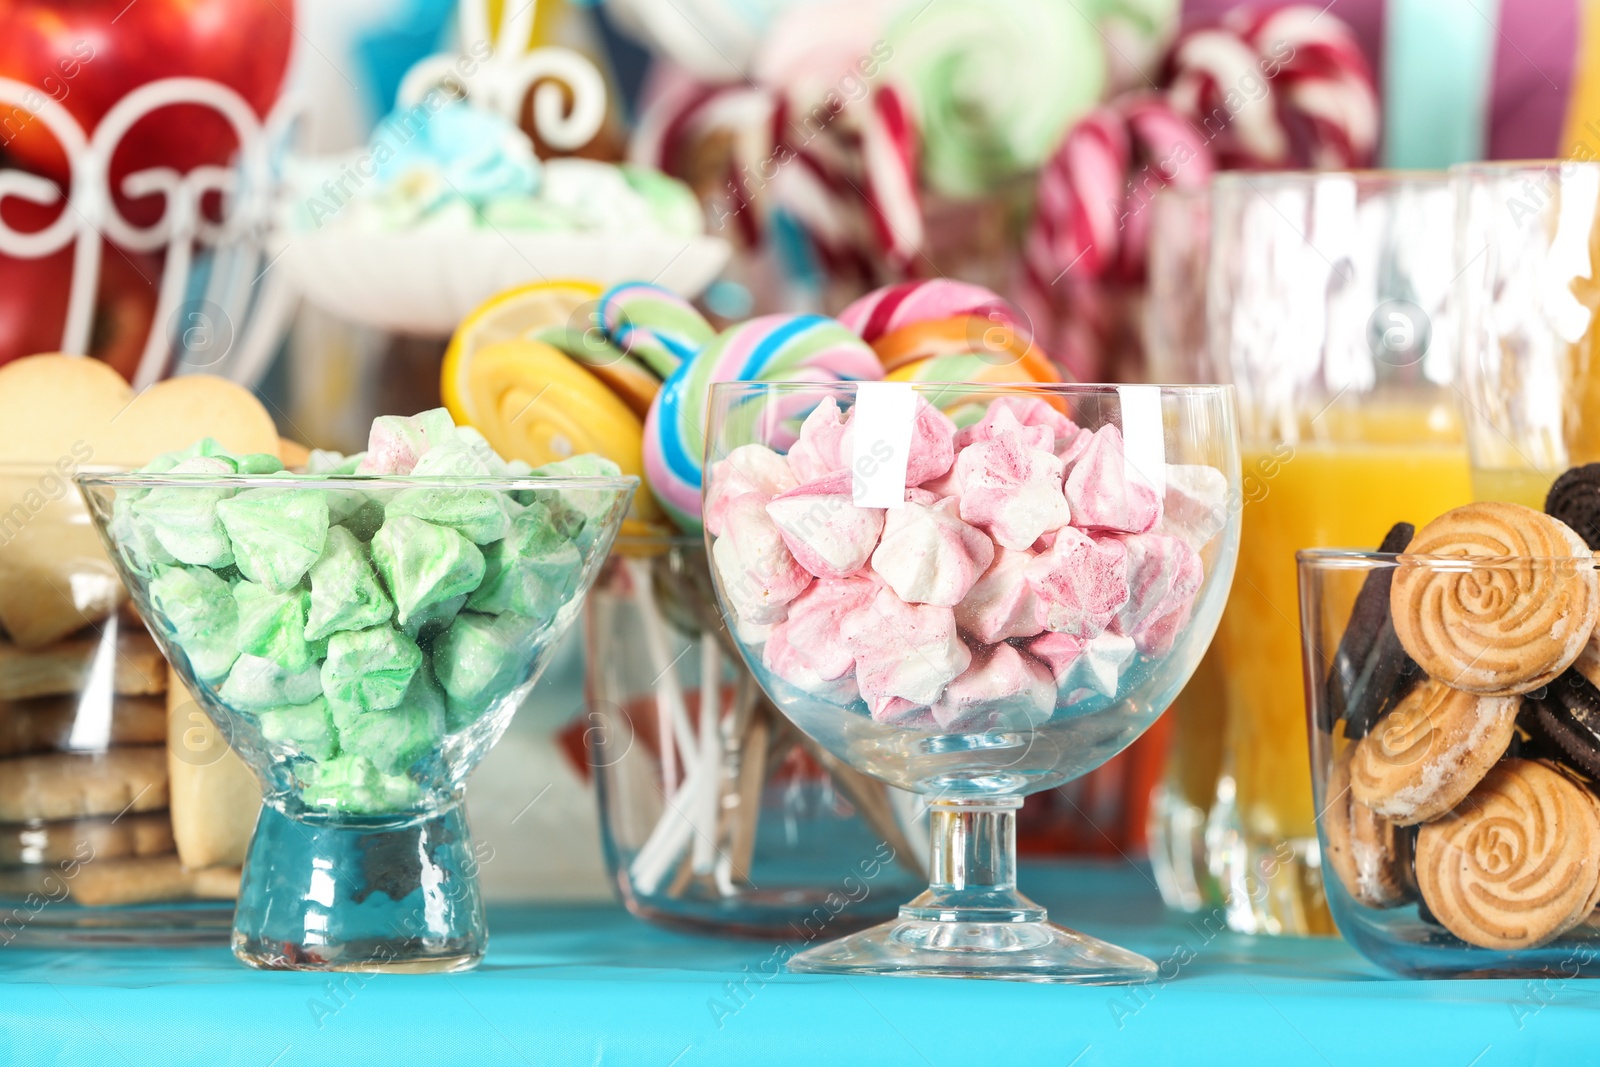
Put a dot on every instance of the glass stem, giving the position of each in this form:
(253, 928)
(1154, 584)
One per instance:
(973, 865)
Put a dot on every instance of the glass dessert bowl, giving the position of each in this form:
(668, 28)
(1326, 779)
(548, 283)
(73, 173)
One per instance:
(973, 593)
(362, 642)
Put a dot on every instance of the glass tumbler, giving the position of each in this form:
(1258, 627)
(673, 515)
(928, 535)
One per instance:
(717, 814)
(1528, 240)
(1328, 308)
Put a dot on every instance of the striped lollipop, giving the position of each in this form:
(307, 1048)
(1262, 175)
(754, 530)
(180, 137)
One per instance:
(940, 330)
(653, 325)
(771, 348)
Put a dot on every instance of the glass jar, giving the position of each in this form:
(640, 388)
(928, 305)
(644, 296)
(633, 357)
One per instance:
(1458, 830)
(734, 821)
(123, 813)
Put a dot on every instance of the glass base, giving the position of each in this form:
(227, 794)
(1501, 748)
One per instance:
(1010, 951)
(971, 922)
(1270, 885)
(369, 895)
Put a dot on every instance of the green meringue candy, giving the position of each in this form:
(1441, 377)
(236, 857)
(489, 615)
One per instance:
(307, 726)
(345, 591)
(352, 783)
(134, 537)
(576, 513)
(202, 611)
(256, 684)
(185, 520)
(434, 617)
(369, 669)
(532, 572)
(480, 659)
(395, 738)
(259, 463)
(479, 515)
(273, 626)
(423, 564)
(277, 533)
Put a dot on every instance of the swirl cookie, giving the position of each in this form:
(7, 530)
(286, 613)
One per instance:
(1518, 863)
(1428, 753)
(1499, 630)
(1370, 855)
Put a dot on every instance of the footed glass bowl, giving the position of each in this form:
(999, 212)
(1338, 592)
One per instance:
(973, 593)
(362, 643)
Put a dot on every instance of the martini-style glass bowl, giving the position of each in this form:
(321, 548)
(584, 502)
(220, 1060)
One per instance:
(362, 642)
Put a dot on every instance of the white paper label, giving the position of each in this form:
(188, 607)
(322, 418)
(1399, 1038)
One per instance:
(1144, 446)
(881, 443)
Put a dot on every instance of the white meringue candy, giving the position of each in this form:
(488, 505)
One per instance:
(828, 534)
(929, 556)
(759, 573)
(1195, 504)
(1002, 605)
(747, 469)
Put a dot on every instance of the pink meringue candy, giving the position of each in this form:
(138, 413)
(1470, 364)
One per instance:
(1083, 667)
(1011, 484)
(826, 532)
(1001, 688)
(396, 442)
(821, 449)
(1027, 411)
(910, 651)
(929, 556)
(1002, 605)
(813, 628)
(747, 469)
(1106, 493)
(1082, 580)
(1195, 504)
(933, 449)
(759, 574)
(1164, 574)
(786, 661)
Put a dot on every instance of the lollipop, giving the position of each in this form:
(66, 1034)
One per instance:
(769, 348)
(940, 330)
(1284, 88)
(1092, 212)
(654, 325)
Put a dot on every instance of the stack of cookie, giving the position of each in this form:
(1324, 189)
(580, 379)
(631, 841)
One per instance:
(1468, 702)
(114, 789)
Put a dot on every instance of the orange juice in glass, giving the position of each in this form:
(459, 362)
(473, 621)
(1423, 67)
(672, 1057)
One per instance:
(1328, 310)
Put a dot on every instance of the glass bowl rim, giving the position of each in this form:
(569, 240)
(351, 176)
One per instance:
(1355, 558)
(1420, 177)
(1058, 389)
(1486, 167)
(627, 483)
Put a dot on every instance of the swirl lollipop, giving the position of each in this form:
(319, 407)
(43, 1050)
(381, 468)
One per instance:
(654, 325)
(769, 348)
(1272, 89)
(1496, 630)
(1516, 864)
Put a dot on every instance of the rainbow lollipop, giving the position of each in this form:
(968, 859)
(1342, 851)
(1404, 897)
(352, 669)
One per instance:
(771, 348)
(940, 330)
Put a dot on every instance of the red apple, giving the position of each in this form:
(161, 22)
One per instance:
(33, 305)
(88, 54)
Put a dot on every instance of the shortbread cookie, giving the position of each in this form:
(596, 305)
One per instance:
(1370, 671)
(73, 785)
(100, 883)
(55, 578)
(1369, 854)
(56, 724)
(1428, 753)
(1503, 628)
(214, 798)
(1518, 862)
(138, 669)
(48, 843)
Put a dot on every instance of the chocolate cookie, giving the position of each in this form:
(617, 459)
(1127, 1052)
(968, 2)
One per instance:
(1370, 670)
(1567, 718)
(1575, 500)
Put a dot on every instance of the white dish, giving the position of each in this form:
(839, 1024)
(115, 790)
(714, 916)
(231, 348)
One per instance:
(425, 283)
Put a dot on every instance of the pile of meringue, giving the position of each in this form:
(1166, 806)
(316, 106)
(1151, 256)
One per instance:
(1030, 567)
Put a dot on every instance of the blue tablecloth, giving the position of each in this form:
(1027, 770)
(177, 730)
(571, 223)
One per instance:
(589, 985)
